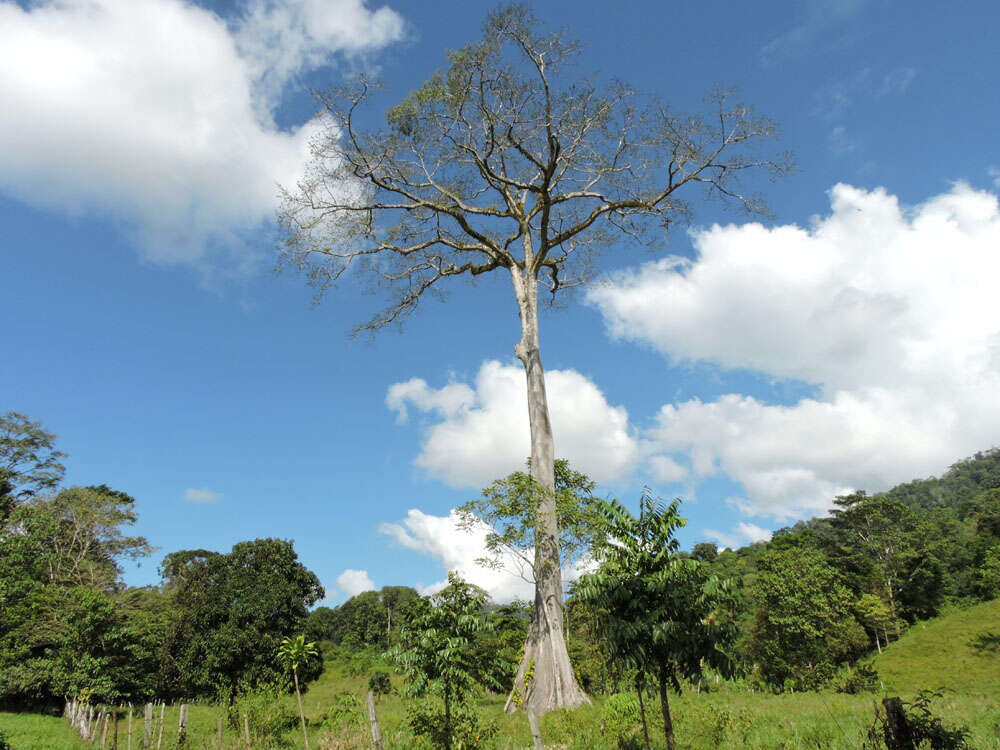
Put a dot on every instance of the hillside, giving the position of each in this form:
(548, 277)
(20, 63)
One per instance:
(958, 652)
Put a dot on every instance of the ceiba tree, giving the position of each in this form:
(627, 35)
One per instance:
(508, 162)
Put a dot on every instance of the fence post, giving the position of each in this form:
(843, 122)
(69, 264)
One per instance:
(376, 736)
(129, 727)
(182, 726)
(219, 731)
(159, 736)
(148, 725)
(246, 730)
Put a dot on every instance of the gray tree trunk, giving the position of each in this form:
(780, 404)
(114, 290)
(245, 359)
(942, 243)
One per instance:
(553, 684)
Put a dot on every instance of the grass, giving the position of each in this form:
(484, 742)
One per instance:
(955, 652)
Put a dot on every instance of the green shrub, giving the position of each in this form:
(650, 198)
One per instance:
(862, 678)
(426, 719)
(267, 716)
(379, 683)
(622, 719)
(4, 745)
(346, 712)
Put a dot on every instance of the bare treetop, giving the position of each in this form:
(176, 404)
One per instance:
(500, 162)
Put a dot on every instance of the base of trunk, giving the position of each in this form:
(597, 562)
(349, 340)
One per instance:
(545, 679)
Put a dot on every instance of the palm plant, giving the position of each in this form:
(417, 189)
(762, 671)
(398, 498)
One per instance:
(293, 653)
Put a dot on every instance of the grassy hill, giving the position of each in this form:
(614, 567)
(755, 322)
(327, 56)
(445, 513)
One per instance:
(958, 652)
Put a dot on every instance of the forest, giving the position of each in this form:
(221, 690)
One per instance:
(802, 614)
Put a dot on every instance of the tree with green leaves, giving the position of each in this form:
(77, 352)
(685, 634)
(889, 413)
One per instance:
(233, 611)
(509, 509)
(437, 653)
(29, 463)
(803, 624)
(65, 626)
(508, 162)
(293, 654)
(659, 612)
(888, 550)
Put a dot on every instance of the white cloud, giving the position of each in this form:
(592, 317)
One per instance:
(744, 533)
(665, 469)
(889, 312)
(155, 112)
(282, 38)
(202, 496)
(354, 582)
(457, 550)
(481, 432)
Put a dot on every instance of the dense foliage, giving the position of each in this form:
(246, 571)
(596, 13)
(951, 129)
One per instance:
(70, 626)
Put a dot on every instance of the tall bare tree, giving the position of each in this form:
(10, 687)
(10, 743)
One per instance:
(509, 161)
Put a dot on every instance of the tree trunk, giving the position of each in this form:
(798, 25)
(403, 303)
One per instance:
(668, 726)
(642, 710)
(553, 684)
(447, 717)
(302, 716)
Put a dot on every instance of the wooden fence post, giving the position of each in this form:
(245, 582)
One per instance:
(246, 730)
(182, 725)
(376, 736)
(219, 731)
(114, 734)
(159, 737)
(148, 726)
(129, 727)
(104, 728)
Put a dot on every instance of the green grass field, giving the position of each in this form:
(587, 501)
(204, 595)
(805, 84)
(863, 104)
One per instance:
(954, 653)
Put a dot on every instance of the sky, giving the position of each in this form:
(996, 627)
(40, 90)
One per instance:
(753, 368)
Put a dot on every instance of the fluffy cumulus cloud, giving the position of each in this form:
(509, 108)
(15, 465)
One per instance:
(479, 432)
(202, 496)
(354, 582)
(889, 311)
(158, 112)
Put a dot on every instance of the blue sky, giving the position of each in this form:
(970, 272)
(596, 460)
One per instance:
(754, 370)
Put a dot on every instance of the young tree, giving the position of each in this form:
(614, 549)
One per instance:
(294, 653)
(658, 612)
(505, 162)
(510, 509)
(437, 650)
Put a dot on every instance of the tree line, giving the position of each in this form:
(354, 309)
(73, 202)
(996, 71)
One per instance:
(70, 625)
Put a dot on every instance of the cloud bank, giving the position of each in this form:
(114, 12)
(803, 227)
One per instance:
(888, 311)
(158, 113)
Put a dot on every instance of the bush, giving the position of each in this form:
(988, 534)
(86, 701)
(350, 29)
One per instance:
(269, 720)
(379, 683)
(346, 712)
(4, 744)
(622, 719)
(862, 678)
(468, 730)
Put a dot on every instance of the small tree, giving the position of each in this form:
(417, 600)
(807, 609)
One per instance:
(658, 612)
(509, 508)
(293, 653)
(437, 652)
